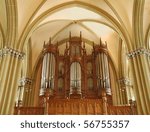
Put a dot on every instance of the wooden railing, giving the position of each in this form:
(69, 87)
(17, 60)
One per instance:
(77, 107)
(29, 111)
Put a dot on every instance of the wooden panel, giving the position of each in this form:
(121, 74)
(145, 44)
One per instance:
(75, 106)
(119, 110)
(90, 109)
(29, 111)
(67, 108)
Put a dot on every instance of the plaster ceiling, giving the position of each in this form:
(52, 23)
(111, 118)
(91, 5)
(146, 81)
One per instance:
(72, 19)
(42, 19)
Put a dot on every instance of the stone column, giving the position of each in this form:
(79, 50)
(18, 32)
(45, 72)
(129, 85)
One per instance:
(126, 90)
(141, 79)
(9, 76)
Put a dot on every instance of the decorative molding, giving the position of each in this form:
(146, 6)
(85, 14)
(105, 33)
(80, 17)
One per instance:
(140, 51)
(125, 81)
(9, 51)
(25, 81)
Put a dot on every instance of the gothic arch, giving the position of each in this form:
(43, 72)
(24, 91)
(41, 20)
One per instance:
(92, 8)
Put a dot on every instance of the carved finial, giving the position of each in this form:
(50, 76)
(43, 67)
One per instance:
(44, 44)
(50, 40)
(70, 35)
(66, 45)
(93, 44)
(57, 44)
(106, 44)
(100, 42)
(84, 45)
(80, 35)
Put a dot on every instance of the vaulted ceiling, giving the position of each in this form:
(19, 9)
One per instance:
(41, 19)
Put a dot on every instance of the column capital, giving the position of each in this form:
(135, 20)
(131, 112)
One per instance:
(25, 81)
(139, 51)
(13, 52)
(124, 81)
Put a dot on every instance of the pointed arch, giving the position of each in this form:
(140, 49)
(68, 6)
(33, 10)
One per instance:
(90, 7)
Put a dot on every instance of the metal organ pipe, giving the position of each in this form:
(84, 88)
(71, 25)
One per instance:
(75, 77)
(103, 78)
(42, 89)
(48, 72)
(107, 76)
(100, 70)
(53, 71)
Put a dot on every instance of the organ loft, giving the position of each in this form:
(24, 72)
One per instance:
(72, 83)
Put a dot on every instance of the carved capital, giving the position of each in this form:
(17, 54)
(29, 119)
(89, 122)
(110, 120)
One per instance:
(140, 51)
(10, 51)
(125, 81)
(25, 81)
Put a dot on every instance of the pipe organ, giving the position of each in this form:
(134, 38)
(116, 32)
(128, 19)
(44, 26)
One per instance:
(75, 74)
(72, 83)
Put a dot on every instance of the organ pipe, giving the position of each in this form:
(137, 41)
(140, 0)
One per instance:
(48, 73)
(72, 57)
(102, 68)
(75, 77)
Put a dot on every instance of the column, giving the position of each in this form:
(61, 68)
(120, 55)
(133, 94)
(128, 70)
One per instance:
(25, 92)
(141, 79)
(126, 90)
(9, 76)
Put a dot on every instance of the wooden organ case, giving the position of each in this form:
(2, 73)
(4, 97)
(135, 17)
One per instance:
(74, 83)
